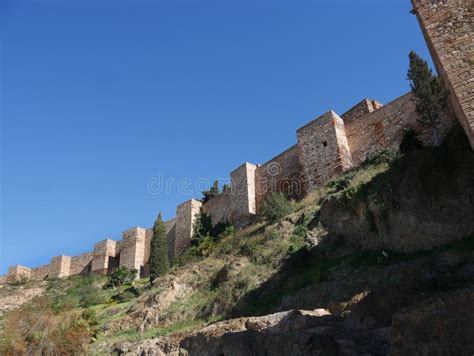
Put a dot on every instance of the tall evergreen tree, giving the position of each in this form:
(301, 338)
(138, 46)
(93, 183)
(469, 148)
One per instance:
(430, 97)
(159, 264)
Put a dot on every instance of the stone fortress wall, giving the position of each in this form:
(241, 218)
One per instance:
(325, 147)
(448, 27)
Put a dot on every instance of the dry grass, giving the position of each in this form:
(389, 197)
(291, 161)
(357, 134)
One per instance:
(35, 328)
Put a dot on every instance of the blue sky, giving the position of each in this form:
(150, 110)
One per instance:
(98, 98)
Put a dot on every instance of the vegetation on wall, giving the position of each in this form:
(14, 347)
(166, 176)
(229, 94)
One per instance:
(214, 191)
(205, 235)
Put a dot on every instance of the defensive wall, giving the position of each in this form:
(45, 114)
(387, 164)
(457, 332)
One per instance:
(448, 28)
(325, 147)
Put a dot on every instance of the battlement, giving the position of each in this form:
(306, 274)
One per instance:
(364, 107)
(325, 147)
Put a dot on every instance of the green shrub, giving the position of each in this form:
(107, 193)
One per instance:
(121, 276)
(300, 230)
(206, 236)
(271, 233)
(126, 296)
(90, 316)
(276, 206)
(248, 247)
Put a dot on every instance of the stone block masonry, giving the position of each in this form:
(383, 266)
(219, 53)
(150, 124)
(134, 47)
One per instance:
(282, 173)
(325, 147)
(448, 27)
(185, 217)
(384, 127)
(60, 266)
(81, 264)
(17, 273)
(242, 202)
(132, 252)
(103, 252)
(323, 150)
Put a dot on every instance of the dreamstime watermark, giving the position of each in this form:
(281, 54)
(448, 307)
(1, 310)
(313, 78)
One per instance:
(183, 186)
(267, 178)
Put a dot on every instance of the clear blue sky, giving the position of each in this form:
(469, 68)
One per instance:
(99, 97)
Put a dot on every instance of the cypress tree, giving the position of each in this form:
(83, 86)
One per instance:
(159, 264)
(430, 97)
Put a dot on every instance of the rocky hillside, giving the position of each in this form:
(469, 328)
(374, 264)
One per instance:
(378, 261)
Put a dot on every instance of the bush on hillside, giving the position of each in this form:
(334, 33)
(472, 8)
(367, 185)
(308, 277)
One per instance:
(126, 296)
(34, 328)
(276, 206)
(205, 235)
(121, 276)
(78, 291)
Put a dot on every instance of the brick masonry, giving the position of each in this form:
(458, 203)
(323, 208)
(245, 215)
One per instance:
(282, 173)
(325, 147)
(218, 208)
(448, 27)
(132, 252)
(323, 150)
(384, 128)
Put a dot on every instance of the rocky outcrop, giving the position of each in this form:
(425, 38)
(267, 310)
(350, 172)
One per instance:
(424, 200)
(12, 297)
(443, 325)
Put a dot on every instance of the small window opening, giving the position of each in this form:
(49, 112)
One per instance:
(325, 143)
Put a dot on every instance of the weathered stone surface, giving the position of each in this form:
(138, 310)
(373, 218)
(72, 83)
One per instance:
(448, 27)
(185, 216)
(12, 297)
(364, 107)
(414, 216)
(60, 266)
(282, 173)
(132, 252)
(295, 332)
(242, 193)
(18, 273)
(323, 150)
(103, 250)
(439, 326)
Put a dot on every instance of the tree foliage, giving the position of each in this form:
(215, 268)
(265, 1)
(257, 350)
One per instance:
(430, 96)
(214, 191)
(159, 263)
(205, 235)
